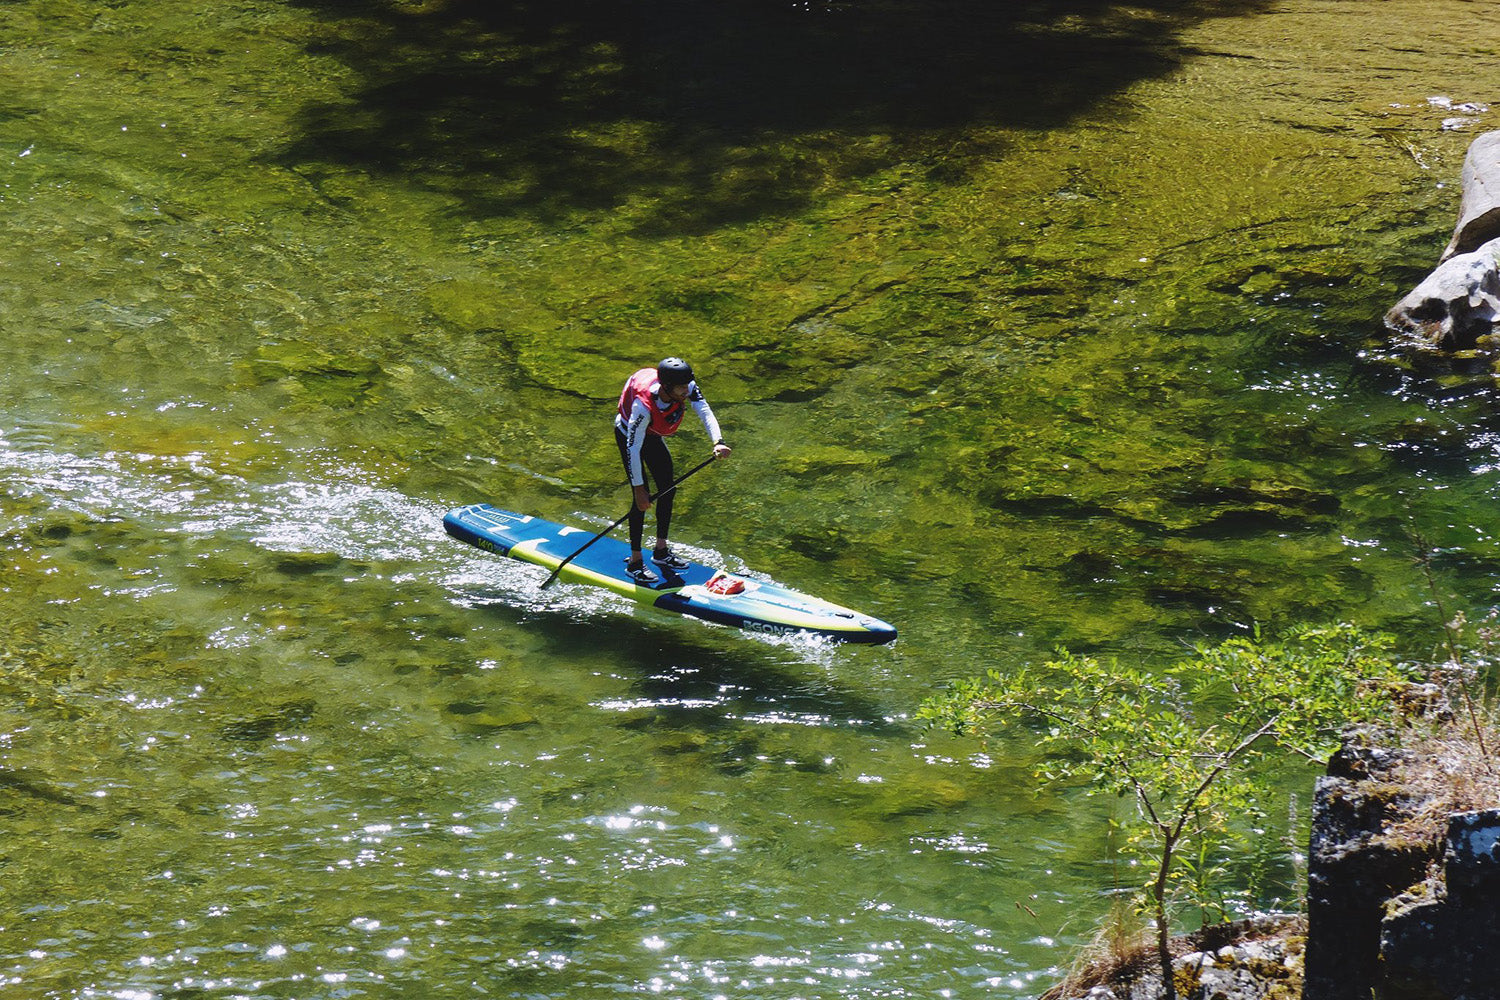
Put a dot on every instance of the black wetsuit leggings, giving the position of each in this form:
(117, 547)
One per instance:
(657, 461)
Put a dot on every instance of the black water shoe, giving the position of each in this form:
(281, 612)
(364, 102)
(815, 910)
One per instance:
(668, 560)
(640, 574)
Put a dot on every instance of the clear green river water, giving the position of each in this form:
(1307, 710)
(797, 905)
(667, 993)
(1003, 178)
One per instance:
(1032, 324)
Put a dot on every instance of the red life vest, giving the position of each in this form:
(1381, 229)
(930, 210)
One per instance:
(664, 423)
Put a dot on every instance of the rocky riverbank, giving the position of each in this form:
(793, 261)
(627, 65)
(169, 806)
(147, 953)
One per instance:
(1257, 959)
(1404, 873)
(1403, 895)
(1403, 892)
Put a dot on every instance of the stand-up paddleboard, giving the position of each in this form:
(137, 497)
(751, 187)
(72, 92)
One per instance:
(700, 591)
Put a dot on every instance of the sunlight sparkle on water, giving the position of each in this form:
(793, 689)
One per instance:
(240, 398)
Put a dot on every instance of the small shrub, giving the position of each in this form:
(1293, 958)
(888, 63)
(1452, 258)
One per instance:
(1182, 742)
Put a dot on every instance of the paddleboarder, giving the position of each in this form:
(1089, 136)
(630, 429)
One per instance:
(652, 406)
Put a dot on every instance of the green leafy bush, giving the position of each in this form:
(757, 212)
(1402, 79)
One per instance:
(1183, 741)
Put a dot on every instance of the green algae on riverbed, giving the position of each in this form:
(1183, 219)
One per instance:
(1027, 327)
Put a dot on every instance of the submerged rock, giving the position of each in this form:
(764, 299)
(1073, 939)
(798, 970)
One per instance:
(287, 716)
(484, 716)
(35, 787)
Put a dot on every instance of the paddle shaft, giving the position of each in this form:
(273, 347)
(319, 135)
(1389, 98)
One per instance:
(621, 520)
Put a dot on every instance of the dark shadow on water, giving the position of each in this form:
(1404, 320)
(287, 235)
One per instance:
(692, 676)
(712, 112)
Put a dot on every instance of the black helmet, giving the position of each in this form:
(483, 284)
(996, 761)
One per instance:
(674, 371)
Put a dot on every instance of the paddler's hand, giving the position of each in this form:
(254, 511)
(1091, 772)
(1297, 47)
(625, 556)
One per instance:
(722, 450)
(642, 498)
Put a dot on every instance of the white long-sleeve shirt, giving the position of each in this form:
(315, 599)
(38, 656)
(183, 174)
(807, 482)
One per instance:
(636, 427)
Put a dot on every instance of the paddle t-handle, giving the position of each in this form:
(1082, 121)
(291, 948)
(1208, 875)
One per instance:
(621, 519)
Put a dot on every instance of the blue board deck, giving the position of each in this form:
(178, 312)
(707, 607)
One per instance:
(699, 590)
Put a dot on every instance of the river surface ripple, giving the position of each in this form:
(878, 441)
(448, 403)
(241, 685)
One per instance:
(1028, 329)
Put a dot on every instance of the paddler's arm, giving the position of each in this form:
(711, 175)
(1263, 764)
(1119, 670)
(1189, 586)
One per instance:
(710, 422)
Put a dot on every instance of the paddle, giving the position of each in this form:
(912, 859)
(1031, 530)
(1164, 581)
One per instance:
(657, 496)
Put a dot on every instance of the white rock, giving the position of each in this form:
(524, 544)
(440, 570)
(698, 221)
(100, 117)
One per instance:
(1479, 211)
(1456, 304)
